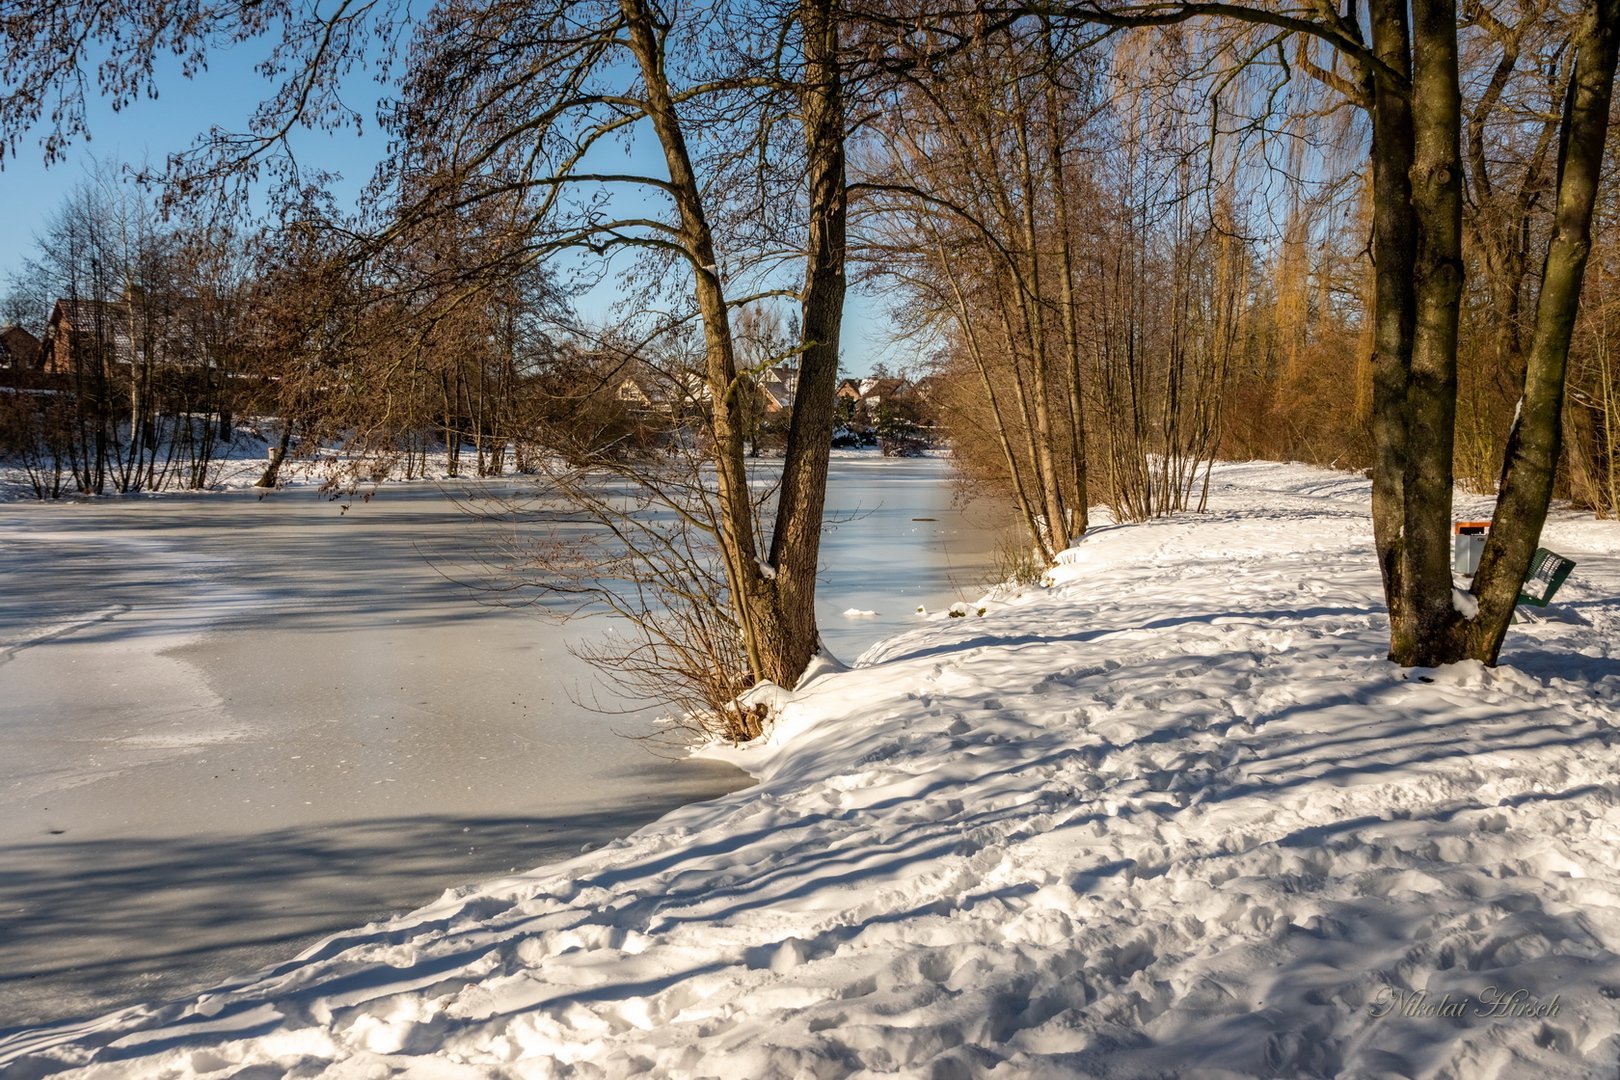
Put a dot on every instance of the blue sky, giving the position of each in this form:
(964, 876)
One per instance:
(147, 131)
(150, 130)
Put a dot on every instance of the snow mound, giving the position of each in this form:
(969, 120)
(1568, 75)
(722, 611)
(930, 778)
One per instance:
(1174, 816)
(1464, 603)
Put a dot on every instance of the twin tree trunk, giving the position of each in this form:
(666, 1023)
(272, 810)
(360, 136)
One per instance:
(1417, 247)
(774, 602)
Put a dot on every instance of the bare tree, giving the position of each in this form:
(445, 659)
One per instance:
(1039, 203)
(965, 200)
(139, 319)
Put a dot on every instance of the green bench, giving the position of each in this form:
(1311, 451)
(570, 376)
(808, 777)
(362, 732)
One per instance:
(1547, 571)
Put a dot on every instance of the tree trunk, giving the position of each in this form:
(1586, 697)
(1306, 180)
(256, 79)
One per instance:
(1537, 434)
(796, 539)
(1032, 305)
(737, 536)
(1394, 232)
(775, 608)
(1071, 332)
(278, 456)
(1425, 634)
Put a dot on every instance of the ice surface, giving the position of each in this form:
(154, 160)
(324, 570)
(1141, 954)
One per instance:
(231, 726)
(898, 537)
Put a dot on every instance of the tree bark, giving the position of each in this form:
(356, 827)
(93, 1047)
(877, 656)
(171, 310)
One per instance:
(1425, 633)
(1537, 434)
(796, 538)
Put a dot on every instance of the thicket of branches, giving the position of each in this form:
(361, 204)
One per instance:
(178, 338)
(1197, 274)
(152, 310)
(1056, 231)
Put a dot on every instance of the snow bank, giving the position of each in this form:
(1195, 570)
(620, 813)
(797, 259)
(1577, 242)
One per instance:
(1175, 816)
(238, 465)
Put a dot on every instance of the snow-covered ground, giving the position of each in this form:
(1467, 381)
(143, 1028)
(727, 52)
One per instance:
(1175, 816)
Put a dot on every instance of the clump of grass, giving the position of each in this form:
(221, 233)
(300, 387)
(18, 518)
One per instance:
(1017, 565)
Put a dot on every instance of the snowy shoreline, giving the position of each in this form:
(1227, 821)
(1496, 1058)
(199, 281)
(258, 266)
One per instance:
(246, 456)
(1174, 816)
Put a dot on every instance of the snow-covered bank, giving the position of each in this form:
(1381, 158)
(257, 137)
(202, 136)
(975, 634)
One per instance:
(1174, 816)
(240, 463)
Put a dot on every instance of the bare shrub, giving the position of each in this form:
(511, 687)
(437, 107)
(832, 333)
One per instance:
(650, 558)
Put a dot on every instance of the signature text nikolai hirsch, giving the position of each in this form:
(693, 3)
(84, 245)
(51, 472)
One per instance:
(1493, 1001)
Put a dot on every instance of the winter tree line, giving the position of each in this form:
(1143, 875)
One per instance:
(1131, 238)
(1134, 268)
(156, 340)
(149, 343)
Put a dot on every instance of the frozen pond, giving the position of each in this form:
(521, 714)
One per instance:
(896, 539)
(230, 726)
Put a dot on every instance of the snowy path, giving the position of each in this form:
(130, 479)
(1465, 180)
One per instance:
(1176, 816)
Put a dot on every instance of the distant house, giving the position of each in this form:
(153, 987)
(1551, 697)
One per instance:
(778, 386)
(19, 350)
(875, 392)
(122, 332)
(81, 333)
(650, 391)
(638, 393)
(929, 388)
(872, 392)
